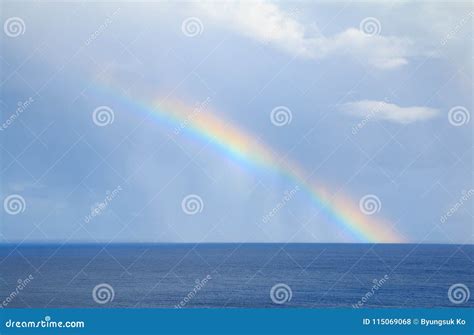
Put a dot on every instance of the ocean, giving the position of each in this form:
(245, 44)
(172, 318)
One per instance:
(237, 275)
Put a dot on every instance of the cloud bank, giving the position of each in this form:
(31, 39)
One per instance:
(382, 110)
(267, 23)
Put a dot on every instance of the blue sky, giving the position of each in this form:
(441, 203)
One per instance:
(379, 95)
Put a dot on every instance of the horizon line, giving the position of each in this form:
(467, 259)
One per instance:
(77, 243)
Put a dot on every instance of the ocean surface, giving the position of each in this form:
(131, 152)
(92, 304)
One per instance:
(236, 275)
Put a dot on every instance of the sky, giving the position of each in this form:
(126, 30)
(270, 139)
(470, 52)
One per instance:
(236, 122)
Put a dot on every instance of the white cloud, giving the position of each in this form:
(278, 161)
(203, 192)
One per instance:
(267, 23)
(390, 112)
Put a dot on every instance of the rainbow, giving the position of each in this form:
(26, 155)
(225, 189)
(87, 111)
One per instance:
(245, 148)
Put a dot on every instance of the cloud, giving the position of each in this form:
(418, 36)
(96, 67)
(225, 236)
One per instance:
(390, 112)
(267, 23)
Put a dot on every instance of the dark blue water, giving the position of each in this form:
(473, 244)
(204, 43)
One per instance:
(319, 275)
